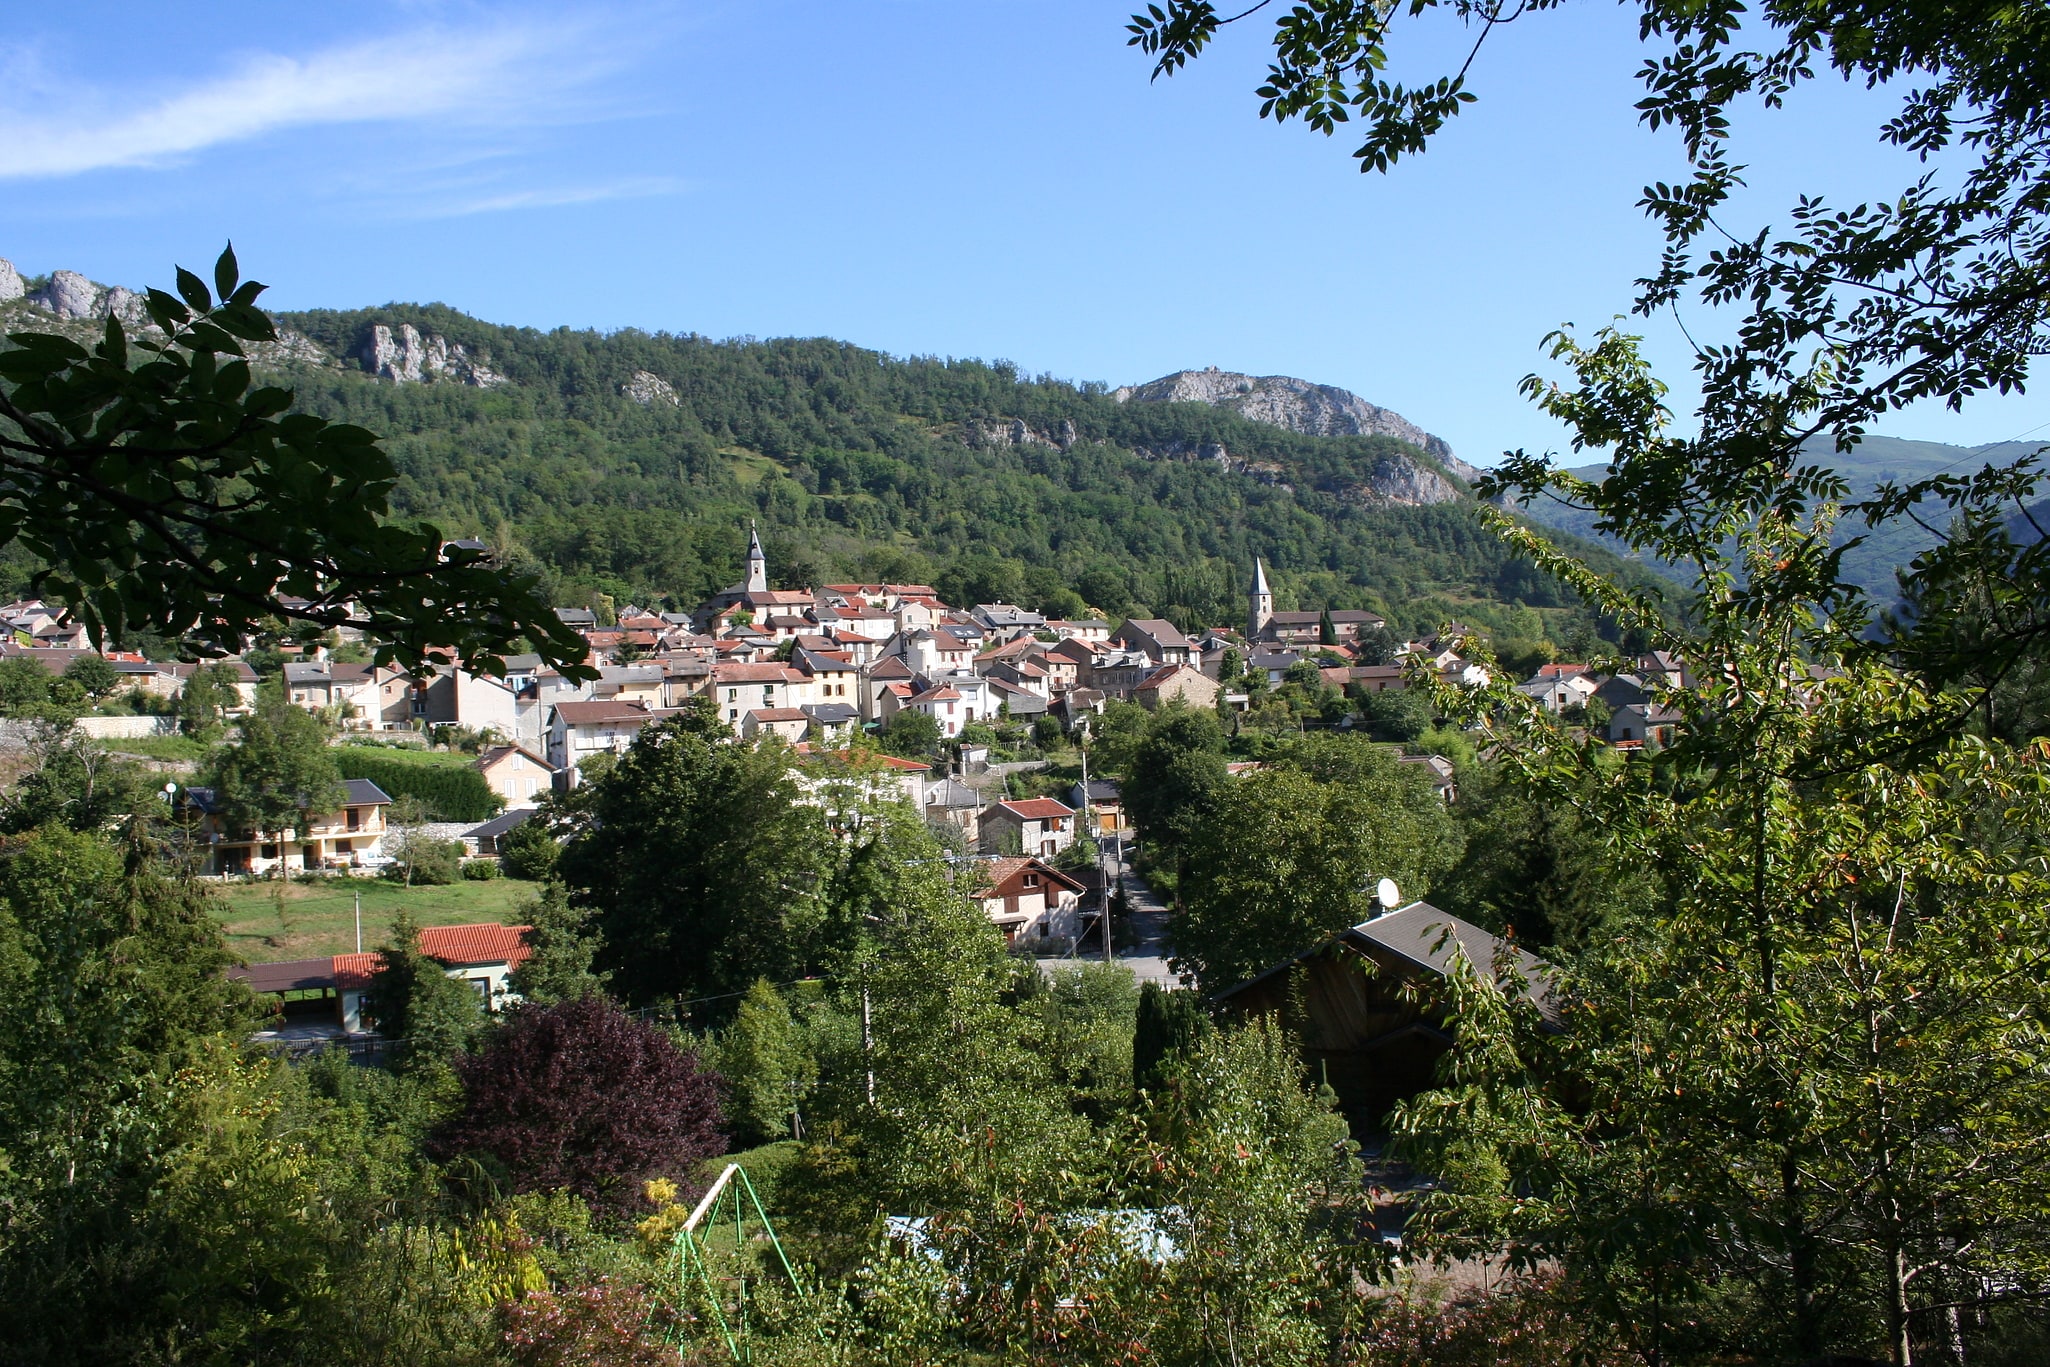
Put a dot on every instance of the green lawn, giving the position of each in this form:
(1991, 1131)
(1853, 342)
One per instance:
(156, 747)
(407, 754)
(318, 915)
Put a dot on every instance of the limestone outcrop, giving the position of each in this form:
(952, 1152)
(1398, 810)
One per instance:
(645, 387)
(12, 286)
(406, 355)
(1315, 410)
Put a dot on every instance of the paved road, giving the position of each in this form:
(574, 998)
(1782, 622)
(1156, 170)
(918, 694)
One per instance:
(1149, 917)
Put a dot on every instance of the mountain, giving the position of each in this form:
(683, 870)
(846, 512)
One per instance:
(1314, 410)
(1874, 461)
(627, 466)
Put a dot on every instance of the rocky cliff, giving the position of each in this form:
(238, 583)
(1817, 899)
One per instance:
(71, 298)
(1315, 410)
(406, 355)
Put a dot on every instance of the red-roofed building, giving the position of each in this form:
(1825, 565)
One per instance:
(1027, 898)
(1034, 826)
(786, 723)
(317, 997)
(579, 730)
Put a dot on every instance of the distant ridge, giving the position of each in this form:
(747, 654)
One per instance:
(1314, 410)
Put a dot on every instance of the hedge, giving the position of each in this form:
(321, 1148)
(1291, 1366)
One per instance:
(451, 794)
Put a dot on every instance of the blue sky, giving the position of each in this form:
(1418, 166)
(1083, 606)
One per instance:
(950, 177)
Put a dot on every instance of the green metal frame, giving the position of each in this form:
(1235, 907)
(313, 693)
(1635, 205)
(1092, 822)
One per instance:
(690, 1254)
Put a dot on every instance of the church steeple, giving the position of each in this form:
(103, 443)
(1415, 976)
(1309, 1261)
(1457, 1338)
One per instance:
(757, 580)
(1262, 605)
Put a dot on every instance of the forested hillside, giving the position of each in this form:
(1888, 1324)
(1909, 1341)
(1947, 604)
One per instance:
(1874, 461)
(968, 475)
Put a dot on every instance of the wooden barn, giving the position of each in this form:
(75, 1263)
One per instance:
(1344, 999)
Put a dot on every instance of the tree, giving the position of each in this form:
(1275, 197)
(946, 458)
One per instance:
(94, 674)
(209, 694)
(1396, 714)
(1175, 774)
(111, 980)
(75, 784)
(911, 733)
(23, 683)
(561, 945)
(581, 1097)
(164, 490)
(1168, 1026)
(732, 895)
(1327, 633)
(1291, 854)
(279, 773)
(766, 1066)
(530, 849)
(412, 1001)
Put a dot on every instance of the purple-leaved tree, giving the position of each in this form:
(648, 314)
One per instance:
(582, 1097)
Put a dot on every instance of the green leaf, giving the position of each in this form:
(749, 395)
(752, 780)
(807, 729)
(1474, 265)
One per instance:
(225, 273)
(194, 290)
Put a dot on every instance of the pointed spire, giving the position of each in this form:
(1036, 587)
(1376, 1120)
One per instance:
(757, 580)
(1260, 578)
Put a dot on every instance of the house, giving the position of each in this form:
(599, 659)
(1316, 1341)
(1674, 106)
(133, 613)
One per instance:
(1443, 776)
(517, 774)
(1160, 641)
(484, 839)
(325, 997)
(1558, 692)
(943, 705)
(1353, 1003)
(1090, 631)
(1027, 898)
(1105, 804)
(320, 684)
(1642, 722)
(1181, 683)
(832, 723)
(787, 724)
(742, 688)
(1039, 826)
(579, 730)
(955, 803)
(330, 840)
(1003, 620)
(872, 776)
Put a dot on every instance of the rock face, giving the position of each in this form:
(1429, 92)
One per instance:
(1315, 410)
(645, 387)
(11, 286)
(71, 295)
(1017, 432)
(406, 355)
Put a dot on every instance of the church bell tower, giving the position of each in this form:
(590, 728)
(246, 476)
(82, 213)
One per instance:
(757, 580)
(1262, 606)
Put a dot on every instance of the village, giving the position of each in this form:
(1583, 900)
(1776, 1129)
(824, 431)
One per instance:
(823, 674)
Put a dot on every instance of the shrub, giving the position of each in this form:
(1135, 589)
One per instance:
(480, 870)
(529, 850)
(581, 1097)
(422, 861)
(447, 792)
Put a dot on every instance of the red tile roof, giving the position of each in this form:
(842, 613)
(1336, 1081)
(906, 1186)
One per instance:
(590, 713)
(734, 673)
(352, 971)
(485, 942)
(1037, 809)
(767, 714)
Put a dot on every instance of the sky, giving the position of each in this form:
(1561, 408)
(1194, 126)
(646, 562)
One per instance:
(962, 178)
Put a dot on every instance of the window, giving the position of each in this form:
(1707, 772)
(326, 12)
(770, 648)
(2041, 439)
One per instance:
(733, 695)
(1031, 880)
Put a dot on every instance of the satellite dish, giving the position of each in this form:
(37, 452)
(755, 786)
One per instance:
(1387, 894)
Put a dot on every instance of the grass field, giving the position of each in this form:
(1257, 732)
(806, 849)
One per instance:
(407, 754)
(318, 916)
(157, 747)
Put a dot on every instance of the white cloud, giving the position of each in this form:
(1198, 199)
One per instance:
(497, 74)
(635, 187)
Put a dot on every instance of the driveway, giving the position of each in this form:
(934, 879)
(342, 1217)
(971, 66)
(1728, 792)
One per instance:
(1147, 924)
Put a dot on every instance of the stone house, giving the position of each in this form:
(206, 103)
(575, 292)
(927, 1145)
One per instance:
(1037, 826)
